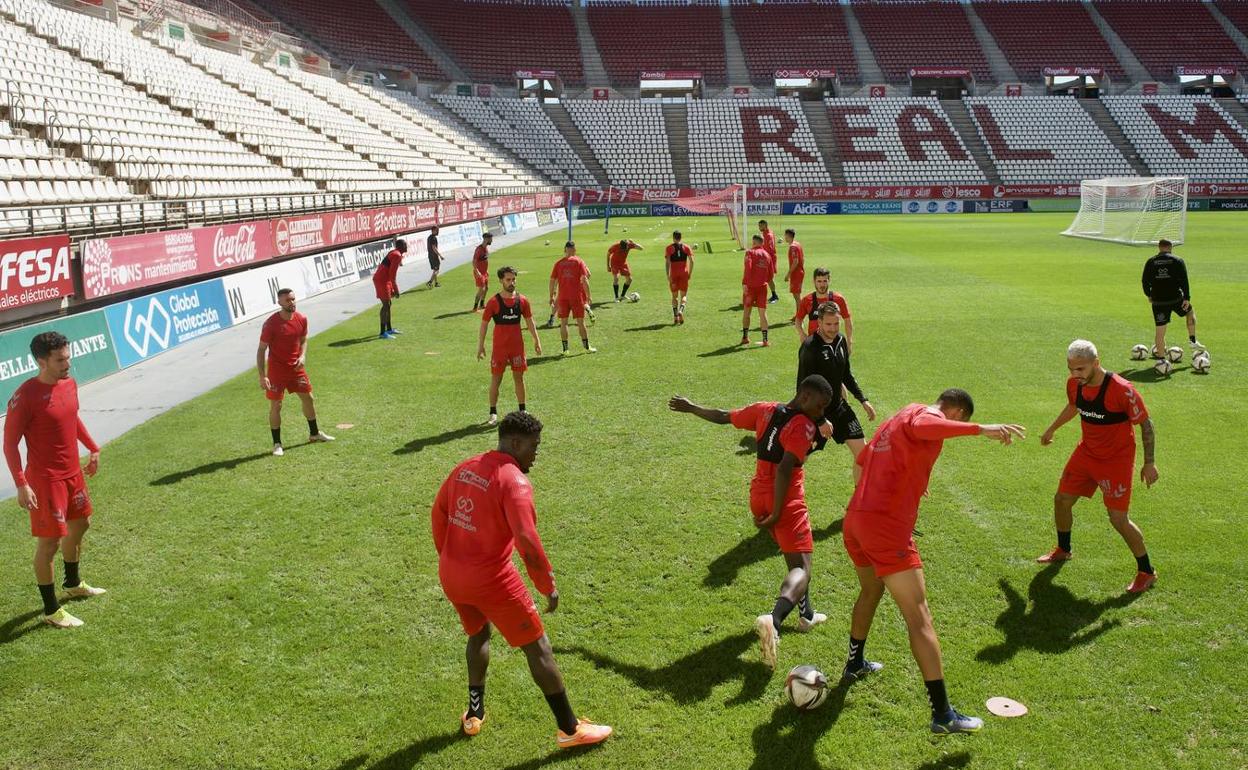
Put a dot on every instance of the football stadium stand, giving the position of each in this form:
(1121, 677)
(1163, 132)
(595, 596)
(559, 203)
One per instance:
(1190, 136)
(633, 39)
(1164, 34)
(752, 141)
(1037, 35)
(920, 34)
(900, 141)
(781, 36)
(629, 139)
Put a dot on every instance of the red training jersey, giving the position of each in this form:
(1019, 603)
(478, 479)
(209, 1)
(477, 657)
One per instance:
(797, 258)
(481, 259)
(388, 271)
(897, 464)
(1108, 434)
(483, 511)
(795, 437)
(810, 304)
(769, 244)
(569, 271)
(506, 314)
(47, 417)
(617, 257)
(678, 266)
(759, 268)
(284, 338)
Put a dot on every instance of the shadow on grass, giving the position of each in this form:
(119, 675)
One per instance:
(1149, 374)
(545, 359)
(20, 626)
(724, 569)
(1050, 620)
(407, 757)
(650, 328)
(947, 762)
(727, 350)
(792, 734)
(219, 465)
(419, 444)
(737, 308)
(356, 341)
(560, 755)
(690, 679)
(454, 315)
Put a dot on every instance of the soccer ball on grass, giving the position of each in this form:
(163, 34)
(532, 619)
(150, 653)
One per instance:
(806, 687)
(1163, 367)
(1174, 354)
(634, 297)
(1201, 362)
(1139, 352)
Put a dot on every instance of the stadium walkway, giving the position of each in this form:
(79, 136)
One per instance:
(115, 404)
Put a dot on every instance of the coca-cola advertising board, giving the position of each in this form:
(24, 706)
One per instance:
(34, 270)
(114, 265)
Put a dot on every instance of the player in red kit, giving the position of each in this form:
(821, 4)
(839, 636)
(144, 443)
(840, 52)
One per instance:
(797, 265)
(769, 244)
(806, 322)
(617, 265)
(1109, 408)
(280, 360)
(758, 271)
(44, 412)
(879, 523)
(506, 309)
(784, 434)
(481, 269)
(569, 293)
(483, 511)
(385, 283)
(678, 264)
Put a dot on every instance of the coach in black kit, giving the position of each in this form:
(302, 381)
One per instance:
(1165, 285)
(825, 353)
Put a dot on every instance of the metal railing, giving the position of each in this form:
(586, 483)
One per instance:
(98, 220)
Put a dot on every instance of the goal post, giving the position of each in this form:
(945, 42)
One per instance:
(1133, 210)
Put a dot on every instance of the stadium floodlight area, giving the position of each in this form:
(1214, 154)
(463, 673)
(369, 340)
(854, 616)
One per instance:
(1134, 210)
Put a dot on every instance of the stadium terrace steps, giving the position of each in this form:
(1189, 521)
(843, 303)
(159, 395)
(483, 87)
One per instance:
(424, 40)
(961, 121)
(1149, 28)
(817, 115)
(1114, 132)
(1236, 110)
(558, 115)
(1232, 31)
(451, 127)
(868, 68)
(591, 57)
(1136, 72)
(676, 118)
(997, 61)
(734, 56)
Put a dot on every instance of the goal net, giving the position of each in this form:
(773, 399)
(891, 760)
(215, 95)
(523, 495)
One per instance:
(729, 202)
(1135, 210)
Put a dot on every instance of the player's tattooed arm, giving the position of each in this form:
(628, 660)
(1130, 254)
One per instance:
(1148, 437)
(682, 404)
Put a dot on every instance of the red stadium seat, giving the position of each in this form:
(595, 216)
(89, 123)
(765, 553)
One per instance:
(1037, 35)
(634, 38)
(777, 37)
(922, 34)
(1169, 34)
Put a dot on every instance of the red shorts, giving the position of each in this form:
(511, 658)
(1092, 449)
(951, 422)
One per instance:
(871, 542)
(511, 356)
(385, 291)
(563, 307)
(678, 281)
(621, 269)
(506, 603)
(754, 297)
(481, 278)
(792, 531)
(283, 380)
(58, 501)
(795, 282)
(1083, 475)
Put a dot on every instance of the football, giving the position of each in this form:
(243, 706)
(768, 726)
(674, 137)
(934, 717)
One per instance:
(1163, 367)
(1201, 362)
(634, 297)
(1139, 352)
(807, 688)
(1174, 354)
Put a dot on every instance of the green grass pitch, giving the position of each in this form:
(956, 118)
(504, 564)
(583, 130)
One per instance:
(285, 613)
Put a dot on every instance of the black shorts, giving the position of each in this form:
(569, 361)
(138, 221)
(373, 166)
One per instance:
(434, 262)
(1162, 311)
(845, 426)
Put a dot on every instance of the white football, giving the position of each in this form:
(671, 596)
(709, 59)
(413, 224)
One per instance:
(1163, 367)
(1201, 361)
(807, 688)
(1139, 352)
(634, 297)
(1174, 354)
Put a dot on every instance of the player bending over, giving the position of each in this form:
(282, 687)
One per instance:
(1108, 408)
(784, 433)
(385, 284)
(482, 512)
(617, 265)
(879, 523)
(506, 309)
